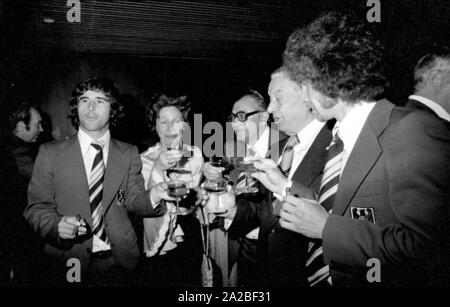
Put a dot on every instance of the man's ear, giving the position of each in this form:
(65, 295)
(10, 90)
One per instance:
(20, 126)
(264, 116)
(435, 78)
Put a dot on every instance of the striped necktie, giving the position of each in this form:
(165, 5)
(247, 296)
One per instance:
(285, 166)
(319, 273)
(96, 193)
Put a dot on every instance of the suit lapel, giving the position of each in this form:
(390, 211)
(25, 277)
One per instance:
(116, 168)
(78, 178)
(314, 161)
(365, 153)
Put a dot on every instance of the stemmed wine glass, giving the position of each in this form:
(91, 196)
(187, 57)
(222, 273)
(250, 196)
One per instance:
(177, 189)
(248, 167)
(218, 185)
(179, 166)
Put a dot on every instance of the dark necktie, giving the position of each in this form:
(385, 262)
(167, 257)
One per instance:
(96, 193)
(319, 273)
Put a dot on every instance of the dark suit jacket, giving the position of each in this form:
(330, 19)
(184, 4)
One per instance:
(399, 168)
(59, 187)
(275, 140)
(281, 254)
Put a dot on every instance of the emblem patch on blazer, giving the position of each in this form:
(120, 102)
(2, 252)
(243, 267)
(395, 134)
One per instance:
(120, 197)
(359, 213)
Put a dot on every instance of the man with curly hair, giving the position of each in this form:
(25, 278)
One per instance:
(83, 188)
(381, 216)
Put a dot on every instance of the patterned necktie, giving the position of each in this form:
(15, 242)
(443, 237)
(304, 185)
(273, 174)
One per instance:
(285, 166)
(319, 273)
(96, 193)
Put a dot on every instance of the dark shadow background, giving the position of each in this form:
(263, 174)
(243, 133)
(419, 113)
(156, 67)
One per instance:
(47, 75)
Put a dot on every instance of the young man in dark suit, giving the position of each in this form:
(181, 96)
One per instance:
(83, 188)
(386, 182)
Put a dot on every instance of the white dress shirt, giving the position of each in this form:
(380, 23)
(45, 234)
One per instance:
(262, 144)
(307, 137)
(88, 153)
(157, 229)
(437, 108)
(261, 147)
(350, 127)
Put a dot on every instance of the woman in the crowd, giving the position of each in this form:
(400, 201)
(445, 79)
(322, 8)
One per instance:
(172, 243)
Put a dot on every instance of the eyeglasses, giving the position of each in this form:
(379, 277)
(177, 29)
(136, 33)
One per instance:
(241, 116)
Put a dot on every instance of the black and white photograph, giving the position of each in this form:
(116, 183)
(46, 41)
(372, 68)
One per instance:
(229, 146)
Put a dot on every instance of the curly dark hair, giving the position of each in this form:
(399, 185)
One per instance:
(340, 57)
(159, 101)
(104, 85)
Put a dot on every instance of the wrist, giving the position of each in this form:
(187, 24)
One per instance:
(282, 186)
(155, 198)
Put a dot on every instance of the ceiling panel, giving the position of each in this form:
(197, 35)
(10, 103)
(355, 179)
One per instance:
(160, 28)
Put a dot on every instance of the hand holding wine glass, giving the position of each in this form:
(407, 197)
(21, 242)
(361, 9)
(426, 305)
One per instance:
(167, 159)
(161, 191)
(269, 174)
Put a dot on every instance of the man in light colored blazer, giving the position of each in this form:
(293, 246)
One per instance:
(65, 189)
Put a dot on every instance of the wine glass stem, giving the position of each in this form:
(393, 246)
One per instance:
(178, 206)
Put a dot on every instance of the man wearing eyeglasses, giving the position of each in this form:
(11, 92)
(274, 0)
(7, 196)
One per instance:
(281, 254)
(249, 120)
(432, 90)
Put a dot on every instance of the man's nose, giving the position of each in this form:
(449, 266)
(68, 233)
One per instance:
(307, 103)
(271, 107)
(40, 128)
(91, 105)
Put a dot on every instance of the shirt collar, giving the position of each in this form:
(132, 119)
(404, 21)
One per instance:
(437, 108)
(350, 127)
(85, 141)
(310, 131)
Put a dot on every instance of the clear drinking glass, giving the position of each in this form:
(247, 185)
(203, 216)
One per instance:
(249, 168)
(177, 189)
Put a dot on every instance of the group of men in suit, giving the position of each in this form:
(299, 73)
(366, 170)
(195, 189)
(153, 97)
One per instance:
(364, 202)
(359, 181)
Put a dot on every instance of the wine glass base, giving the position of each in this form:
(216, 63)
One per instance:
(247, 190)
(183, 211)
(218, 212)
